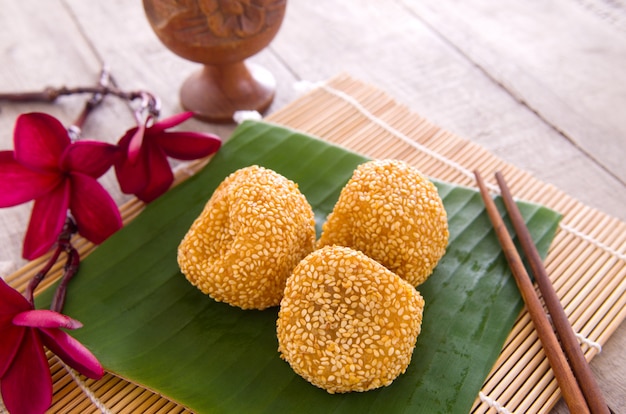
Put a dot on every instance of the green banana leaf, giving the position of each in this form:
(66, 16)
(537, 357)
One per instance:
(146, 323)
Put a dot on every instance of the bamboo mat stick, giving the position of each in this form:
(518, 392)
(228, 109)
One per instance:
(565, 377)
(582, 370)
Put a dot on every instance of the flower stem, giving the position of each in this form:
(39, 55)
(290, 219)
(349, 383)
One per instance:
(106, 86)
(71, 264)
(29, 294)
(47, 95)
(70, 269)
(51, 94)
(64, 244)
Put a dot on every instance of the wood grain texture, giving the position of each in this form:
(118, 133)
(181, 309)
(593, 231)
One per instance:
(37, 50)
(551, 56)
(393, 47)
(488, 71)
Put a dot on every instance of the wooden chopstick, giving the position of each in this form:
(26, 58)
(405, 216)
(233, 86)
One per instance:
(570, 389)
(582, 371)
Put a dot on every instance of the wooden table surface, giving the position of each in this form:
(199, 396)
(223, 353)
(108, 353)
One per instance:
(540, 84)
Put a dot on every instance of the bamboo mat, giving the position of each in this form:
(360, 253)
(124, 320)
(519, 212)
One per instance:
(586, 261)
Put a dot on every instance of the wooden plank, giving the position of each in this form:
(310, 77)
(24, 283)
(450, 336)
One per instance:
(66, 43)
(120, 32)
(386, 46)
(558, 58)
(37, 44)
(394, 49)
(610, 12)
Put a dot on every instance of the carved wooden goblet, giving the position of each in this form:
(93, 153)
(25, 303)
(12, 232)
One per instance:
(220, 34)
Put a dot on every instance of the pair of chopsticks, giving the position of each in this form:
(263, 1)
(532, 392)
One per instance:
(571, 370)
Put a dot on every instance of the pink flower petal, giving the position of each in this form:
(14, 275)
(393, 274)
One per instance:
(11, 301)
(89, 157)
(170, 122)
(188, 145)
(72, 352)
(19, 184)
(39, 141)
(46, 221)
(27, 384)
(132, 177)
(160, 178)
(96, 213)
(135, 144)
(10, 343)
(44, 318)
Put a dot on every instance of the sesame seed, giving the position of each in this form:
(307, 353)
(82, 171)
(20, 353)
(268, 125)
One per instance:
(346, 352)
(253, 231)
(393, 214)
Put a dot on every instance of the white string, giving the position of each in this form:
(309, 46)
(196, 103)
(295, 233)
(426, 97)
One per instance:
(493, 403)
(82, 386)
(593, 344)
(305, 86)
(240, 116)
(85, 388)
(595, 242)
(352, 101)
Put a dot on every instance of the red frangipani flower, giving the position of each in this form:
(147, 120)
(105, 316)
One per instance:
(25, 379)
(143, 168)
(60, 176)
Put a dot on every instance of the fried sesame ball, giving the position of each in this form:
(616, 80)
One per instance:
(346, 323)
(253, 231)
(393, 214)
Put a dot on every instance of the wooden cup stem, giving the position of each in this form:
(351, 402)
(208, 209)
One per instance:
(216, 91)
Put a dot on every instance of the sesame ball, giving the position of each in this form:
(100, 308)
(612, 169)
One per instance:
(392, 213)
(253, 231)
(346, 323)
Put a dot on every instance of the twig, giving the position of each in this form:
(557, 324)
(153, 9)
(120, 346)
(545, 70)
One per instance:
(71, 264)
(64, 244)
(29, 294)
(106, 86)
(51, 94)
(70, 269)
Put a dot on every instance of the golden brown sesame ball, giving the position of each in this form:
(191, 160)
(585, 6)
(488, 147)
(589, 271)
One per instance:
(393, 214)
(251, 234)
(346, 323)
